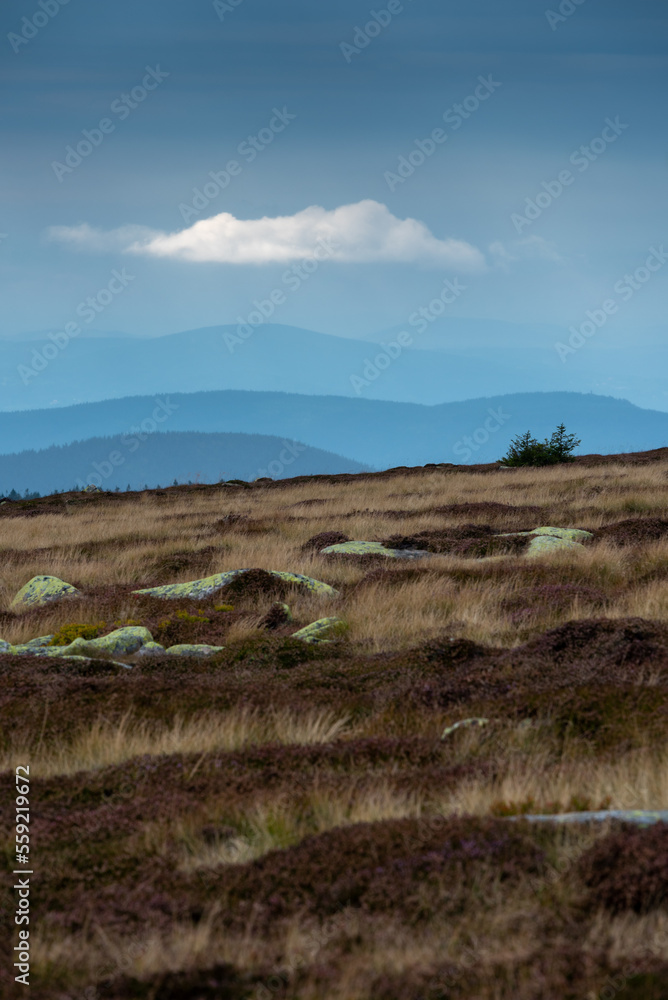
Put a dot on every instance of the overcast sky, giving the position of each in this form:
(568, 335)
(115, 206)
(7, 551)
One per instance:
(391, 150)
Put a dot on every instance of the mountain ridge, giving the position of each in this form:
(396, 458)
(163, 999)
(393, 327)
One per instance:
(377, 433)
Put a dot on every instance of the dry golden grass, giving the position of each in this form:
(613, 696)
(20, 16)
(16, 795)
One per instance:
(122, 546)
(109, 742)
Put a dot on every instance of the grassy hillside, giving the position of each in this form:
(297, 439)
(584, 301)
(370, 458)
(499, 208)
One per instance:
(285, 820)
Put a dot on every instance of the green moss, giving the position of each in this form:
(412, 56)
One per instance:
(68, 633)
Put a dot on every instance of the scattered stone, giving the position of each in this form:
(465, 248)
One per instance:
(318, 631)
(193, 649)
(150, 648)
(547, 539)
(550, 543)
(278, 614)
(198, 589)
(464, 724)
(359, 548)
(42, 590)
(640, 817)
(40, 641)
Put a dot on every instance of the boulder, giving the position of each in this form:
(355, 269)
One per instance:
(193, 649)
(318, 631)
(640, 817)
(151, 648)
(122, 642)
(573, 534)
(42, 590)
(464, 724)
(360, 548)
(542, 544)
(5, 647)
(279, 614)
(41, 640)
(547, 539)
(198, 589)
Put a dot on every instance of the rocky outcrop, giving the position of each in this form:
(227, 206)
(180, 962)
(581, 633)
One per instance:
(361, 548)
(43, 590)
(199, 589)
(320, 631)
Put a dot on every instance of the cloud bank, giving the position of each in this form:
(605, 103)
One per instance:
(362, 233)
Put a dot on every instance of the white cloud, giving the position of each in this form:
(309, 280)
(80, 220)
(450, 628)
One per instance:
(85, 237)
(365, 232)
(531, 247)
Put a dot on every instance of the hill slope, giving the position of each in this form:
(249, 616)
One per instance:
(448, 361)
(154, 458)
(376, 433)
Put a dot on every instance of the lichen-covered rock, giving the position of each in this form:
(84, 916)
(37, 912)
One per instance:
(42, 590)
(360, 548)
(640, 817)
(573, 534)
(199, 589)
(542, 544)
(4, 646)
(193, 649)
(195, 589)
(41, 640)
(279, 614)
(121, 642)
(151, 648)
(319, 631)
(547, 539)
(464, 724)
(315, 586)
(91, 488)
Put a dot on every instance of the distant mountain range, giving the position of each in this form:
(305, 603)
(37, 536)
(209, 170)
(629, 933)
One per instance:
(449, 361)
(157, 459)
(373, 433)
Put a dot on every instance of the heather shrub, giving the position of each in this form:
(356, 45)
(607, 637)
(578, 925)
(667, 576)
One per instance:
(323, 539)
(408, 868)
(628, 870)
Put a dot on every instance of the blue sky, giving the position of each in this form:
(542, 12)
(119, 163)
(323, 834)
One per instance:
(220, 75)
